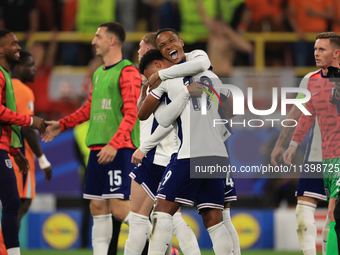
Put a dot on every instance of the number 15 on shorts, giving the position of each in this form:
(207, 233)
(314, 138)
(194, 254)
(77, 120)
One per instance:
(115, 177)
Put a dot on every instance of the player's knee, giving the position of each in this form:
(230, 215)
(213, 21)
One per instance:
(211, 217)
(303, 221)
(97, 208)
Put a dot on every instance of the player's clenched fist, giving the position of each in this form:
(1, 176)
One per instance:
(38, 123)
(52, 131)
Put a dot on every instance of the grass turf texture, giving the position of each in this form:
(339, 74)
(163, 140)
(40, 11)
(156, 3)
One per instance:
(204, 252)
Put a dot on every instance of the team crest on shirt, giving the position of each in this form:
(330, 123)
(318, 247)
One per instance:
(8, 163)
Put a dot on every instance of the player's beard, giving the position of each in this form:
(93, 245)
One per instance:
(10, 57)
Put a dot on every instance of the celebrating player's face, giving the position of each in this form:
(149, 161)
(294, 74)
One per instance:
(323, 53)
(10, 47)
(101, 41)
(171, 46)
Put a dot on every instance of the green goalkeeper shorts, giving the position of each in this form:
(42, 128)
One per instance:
(331, 174)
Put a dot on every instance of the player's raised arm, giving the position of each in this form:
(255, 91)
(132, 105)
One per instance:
(197, 62)
(166, 114)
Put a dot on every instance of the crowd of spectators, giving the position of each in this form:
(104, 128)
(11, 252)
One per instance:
(212, 25)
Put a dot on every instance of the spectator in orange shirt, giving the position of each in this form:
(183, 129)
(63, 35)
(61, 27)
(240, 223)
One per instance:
(307, 16)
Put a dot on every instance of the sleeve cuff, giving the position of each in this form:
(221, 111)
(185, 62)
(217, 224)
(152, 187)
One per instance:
(13, 151)
(114, 145)
(62, 126)
(294, 144)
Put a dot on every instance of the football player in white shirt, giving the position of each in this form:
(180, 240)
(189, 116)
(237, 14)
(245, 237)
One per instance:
(177, 187)
(152, 157)
(190, 64)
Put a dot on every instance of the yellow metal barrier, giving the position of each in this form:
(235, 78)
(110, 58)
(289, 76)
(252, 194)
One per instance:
(258, 38)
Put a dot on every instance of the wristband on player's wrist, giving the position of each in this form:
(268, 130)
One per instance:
(294, 144)
(43, 162)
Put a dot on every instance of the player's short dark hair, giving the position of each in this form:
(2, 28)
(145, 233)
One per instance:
(148, 58)
(24, 55)
(115, 28)
(334, 38)
(150, 38)
(3, 33)
(165, 30)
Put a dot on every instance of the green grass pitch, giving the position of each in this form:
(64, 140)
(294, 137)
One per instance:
(204, 252)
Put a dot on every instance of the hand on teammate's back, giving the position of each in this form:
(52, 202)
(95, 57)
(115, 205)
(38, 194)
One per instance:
(52, 131)
(153, 81)
(195, 89)
(38, 123)
(21, 162)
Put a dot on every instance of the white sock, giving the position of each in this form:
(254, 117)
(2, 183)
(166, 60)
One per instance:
(161, 235)
(306, 227)
(325, 231)
(101, 233)
(139, 232)
(127, 218)
(169, 249)
(14, 251)
(185, 236)
(232, 231)
(221, 239)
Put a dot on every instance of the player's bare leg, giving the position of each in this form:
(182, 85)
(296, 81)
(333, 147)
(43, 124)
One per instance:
(120, 209)
(231, 229)
(24, 207)
(306, 231)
